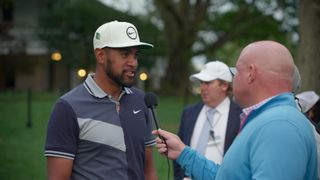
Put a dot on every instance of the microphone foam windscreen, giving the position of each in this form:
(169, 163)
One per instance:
(150, 99)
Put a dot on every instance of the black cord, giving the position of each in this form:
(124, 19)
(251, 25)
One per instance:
(163, 140)
(168, 163)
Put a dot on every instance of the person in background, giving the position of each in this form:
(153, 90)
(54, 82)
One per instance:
(275, 140)
(219, 129)
(101, 128)
(309, 102)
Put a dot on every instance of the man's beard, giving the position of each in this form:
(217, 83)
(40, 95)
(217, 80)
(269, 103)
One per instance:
(118, 79)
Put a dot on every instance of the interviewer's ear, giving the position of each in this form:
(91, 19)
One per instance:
(252, 73)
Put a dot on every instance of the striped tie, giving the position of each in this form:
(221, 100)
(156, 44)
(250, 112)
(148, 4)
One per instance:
(205, 132)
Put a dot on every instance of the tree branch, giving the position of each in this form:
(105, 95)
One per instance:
(168, 7)
(237, 29)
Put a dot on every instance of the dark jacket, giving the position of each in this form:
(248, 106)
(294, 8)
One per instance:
(188, 120)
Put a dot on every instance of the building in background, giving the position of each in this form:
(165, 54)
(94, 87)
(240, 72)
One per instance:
(25, 61)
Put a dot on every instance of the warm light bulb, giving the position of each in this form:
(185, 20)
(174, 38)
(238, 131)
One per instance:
(56, 56)
(82, 73)
(143, 76)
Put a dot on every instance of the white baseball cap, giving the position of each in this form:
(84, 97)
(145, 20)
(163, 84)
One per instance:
(117, 34)
(307, 100)
(213, 70)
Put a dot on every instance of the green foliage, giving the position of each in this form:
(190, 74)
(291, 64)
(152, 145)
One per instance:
(69, 26)
(22, 148)
(244, 25)
(259, 27)
(217, 31)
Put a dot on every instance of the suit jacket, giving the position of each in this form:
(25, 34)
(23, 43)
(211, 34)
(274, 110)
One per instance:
(188, 120)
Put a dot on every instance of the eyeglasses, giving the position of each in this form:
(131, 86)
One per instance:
(233, 71)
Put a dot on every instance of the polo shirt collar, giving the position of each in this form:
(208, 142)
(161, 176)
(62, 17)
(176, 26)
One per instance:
(247, 110)
(96, 91)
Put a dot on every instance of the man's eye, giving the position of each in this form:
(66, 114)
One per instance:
(124, 54)
(205, 82)
(137, 55)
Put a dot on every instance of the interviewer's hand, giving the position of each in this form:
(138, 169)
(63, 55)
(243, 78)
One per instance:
(175, 145)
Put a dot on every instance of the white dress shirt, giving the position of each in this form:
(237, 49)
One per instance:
(215, 148)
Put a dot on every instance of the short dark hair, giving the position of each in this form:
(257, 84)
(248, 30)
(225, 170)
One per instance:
(229, 90)
(316, 112)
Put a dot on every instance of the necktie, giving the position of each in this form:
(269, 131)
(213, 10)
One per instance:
(205, 132)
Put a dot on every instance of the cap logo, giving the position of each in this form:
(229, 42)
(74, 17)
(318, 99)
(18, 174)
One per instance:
(132, 33)
(97, 35)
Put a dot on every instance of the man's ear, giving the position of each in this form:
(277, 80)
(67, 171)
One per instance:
(252, 73)
(224, 86)
(99, 53)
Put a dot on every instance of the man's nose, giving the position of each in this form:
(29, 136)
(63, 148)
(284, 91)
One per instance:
(132, 61)
(203, 85)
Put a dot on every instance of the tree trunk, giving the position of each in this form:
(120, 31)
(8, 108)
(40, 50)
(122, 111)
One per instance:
(309, 48)
(176, 80)
(181, 20)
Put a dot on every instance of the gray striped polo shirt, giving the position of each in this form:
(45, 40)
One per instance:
(105, 138)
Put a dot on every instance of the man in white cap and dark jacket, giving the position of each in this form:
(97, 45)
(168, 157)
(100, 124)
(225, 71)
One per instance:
(211, 125)
(101, 128)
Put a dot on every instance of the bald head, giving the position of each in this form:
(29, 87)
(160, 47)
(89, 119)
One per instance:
(270, 57)
(267, 69)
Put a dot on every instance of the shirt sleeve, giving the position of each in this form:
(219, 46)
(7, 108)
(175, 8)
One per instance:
(197, 166)
(63, 132)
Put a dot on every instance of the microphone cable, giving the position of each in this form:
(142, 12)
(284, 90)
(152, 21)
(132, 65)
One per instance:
(151, 102)
(164, 141)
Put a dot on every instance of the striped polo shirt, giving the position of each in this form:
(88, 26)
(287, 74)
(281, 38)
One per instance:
(105, 138)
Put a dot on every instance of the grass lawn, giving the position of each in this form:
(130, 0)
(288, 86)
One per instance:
(21, 147)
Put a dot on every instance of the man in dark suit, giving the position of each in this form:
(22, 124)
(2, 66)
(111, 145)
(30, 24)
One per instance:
(210, 126)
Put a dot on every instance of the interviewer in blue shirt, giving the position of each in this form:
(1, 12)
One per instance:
(275, 140)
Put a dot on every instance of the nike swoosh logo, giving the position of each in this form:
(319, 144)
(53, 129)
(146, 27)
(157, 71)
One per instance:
(136, 112)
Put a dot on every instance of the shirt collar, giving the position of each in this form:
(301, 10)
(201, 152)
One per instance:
(222, 106)
(93, 88)
(247, 110)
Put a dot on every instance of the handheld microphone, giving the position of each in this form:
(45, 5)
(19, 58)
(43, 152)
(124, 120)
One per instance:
(151, 102)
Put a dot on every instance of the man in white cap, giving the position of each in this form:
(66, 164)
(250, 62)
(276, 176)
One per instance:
(101, 129)
(310, 105)
(210, 134)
